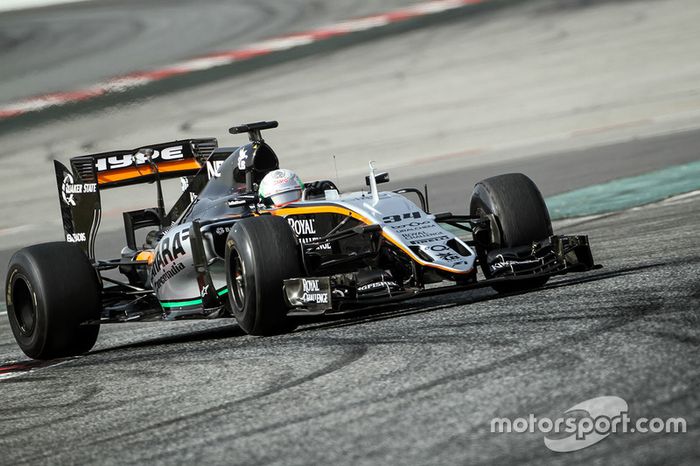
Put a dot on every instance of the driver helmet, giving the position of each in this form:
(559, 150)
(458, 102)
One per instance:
(280, 187)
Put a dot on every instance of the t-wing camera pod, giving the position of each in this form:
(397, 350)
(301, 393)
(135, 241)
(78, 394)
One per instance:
(253, 129)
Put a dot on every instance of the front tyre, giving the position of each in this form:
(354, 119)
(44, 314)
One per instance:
(261, 252)
(51, 291)
(521, 215)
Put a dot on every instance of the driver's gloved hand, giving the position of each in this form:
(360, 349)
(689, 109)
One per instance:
(317, 188)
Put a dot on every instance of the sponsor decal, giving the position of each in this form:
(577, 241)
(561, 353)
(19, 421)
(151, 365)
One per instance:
(313, 293)
(309, 293)
(376, 285)
(69, 189)
(168, 274)
(170, 249)
(412, 226)
(417, 232)
(76, 237)
(214, 168)
(511, 265)
(222, 230)
(281, 177)
(303, 226)
(448, 256)
(114, 162)
(398, 218)
(305, 229)
(430, 239)
(418, 235)
(427, 234)
(444, 253)
(242, 159)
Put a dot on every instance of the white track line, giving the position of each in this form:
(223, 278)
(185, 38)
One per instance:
(14, 5)
(213, 60)
(13, 374)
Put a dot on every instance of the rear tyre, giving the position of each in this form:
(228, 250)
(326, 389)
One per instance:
(521, 215)
(261, 252)
(51, 290)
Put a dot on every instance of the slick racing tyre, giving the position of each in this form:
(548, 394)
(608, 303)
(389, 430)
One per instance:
(261, 252)
(521, 214)
(51, 290)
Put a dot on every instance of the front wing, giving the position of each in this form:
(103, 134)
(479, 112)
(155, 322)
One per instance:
(555, 255)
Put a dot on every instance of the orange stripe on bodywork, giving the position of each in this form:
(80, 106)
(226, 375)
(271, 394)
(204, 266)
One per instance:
(122, 174)
(320, 210)
(283, 212)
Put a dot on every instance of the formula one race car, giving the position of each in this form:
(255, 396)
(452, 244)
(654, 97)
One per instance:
(220, 252)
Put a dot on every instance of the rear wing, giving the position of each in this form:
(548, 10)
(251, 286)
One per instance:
(79, 187)
(127, 167)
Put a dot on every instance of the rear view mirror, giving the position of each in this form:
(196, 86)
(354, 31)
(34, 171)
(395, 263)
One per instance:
(380, 178)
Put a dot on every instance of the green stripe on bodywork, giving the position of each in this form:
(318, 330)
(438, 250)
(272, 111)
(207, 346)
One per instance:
(625, 193)
(191, 302)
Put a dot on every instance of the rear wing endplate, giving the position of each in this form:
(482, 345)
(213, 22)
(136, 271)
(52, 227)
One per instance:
(79, 188)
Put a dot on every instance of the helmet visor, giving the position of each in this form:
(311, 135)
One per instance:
(286, 197)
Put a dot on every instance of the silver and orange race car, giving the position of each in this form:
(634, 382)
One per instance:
(219, 253)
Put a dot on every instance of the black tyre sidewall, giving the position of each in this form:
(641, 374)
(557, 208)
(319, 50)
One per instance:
(521, 215)
(32, 344)
(269, 252)
(242, 245)
(65, 286)
(518, 205)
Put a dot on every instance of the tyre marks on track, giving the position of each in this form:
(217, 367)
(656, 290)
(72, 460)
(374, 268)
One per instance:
(200, 418)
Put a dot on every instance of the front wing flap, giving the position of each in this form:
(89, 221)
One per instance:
(554, 255)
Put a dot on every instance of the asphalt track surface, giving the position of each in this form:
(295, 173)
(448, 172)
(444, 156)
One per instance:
(417, 382)
(63, 47)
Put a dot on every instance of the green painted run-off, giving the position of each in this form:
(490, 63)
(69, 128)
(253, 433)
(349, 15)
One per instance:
(625, 193)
